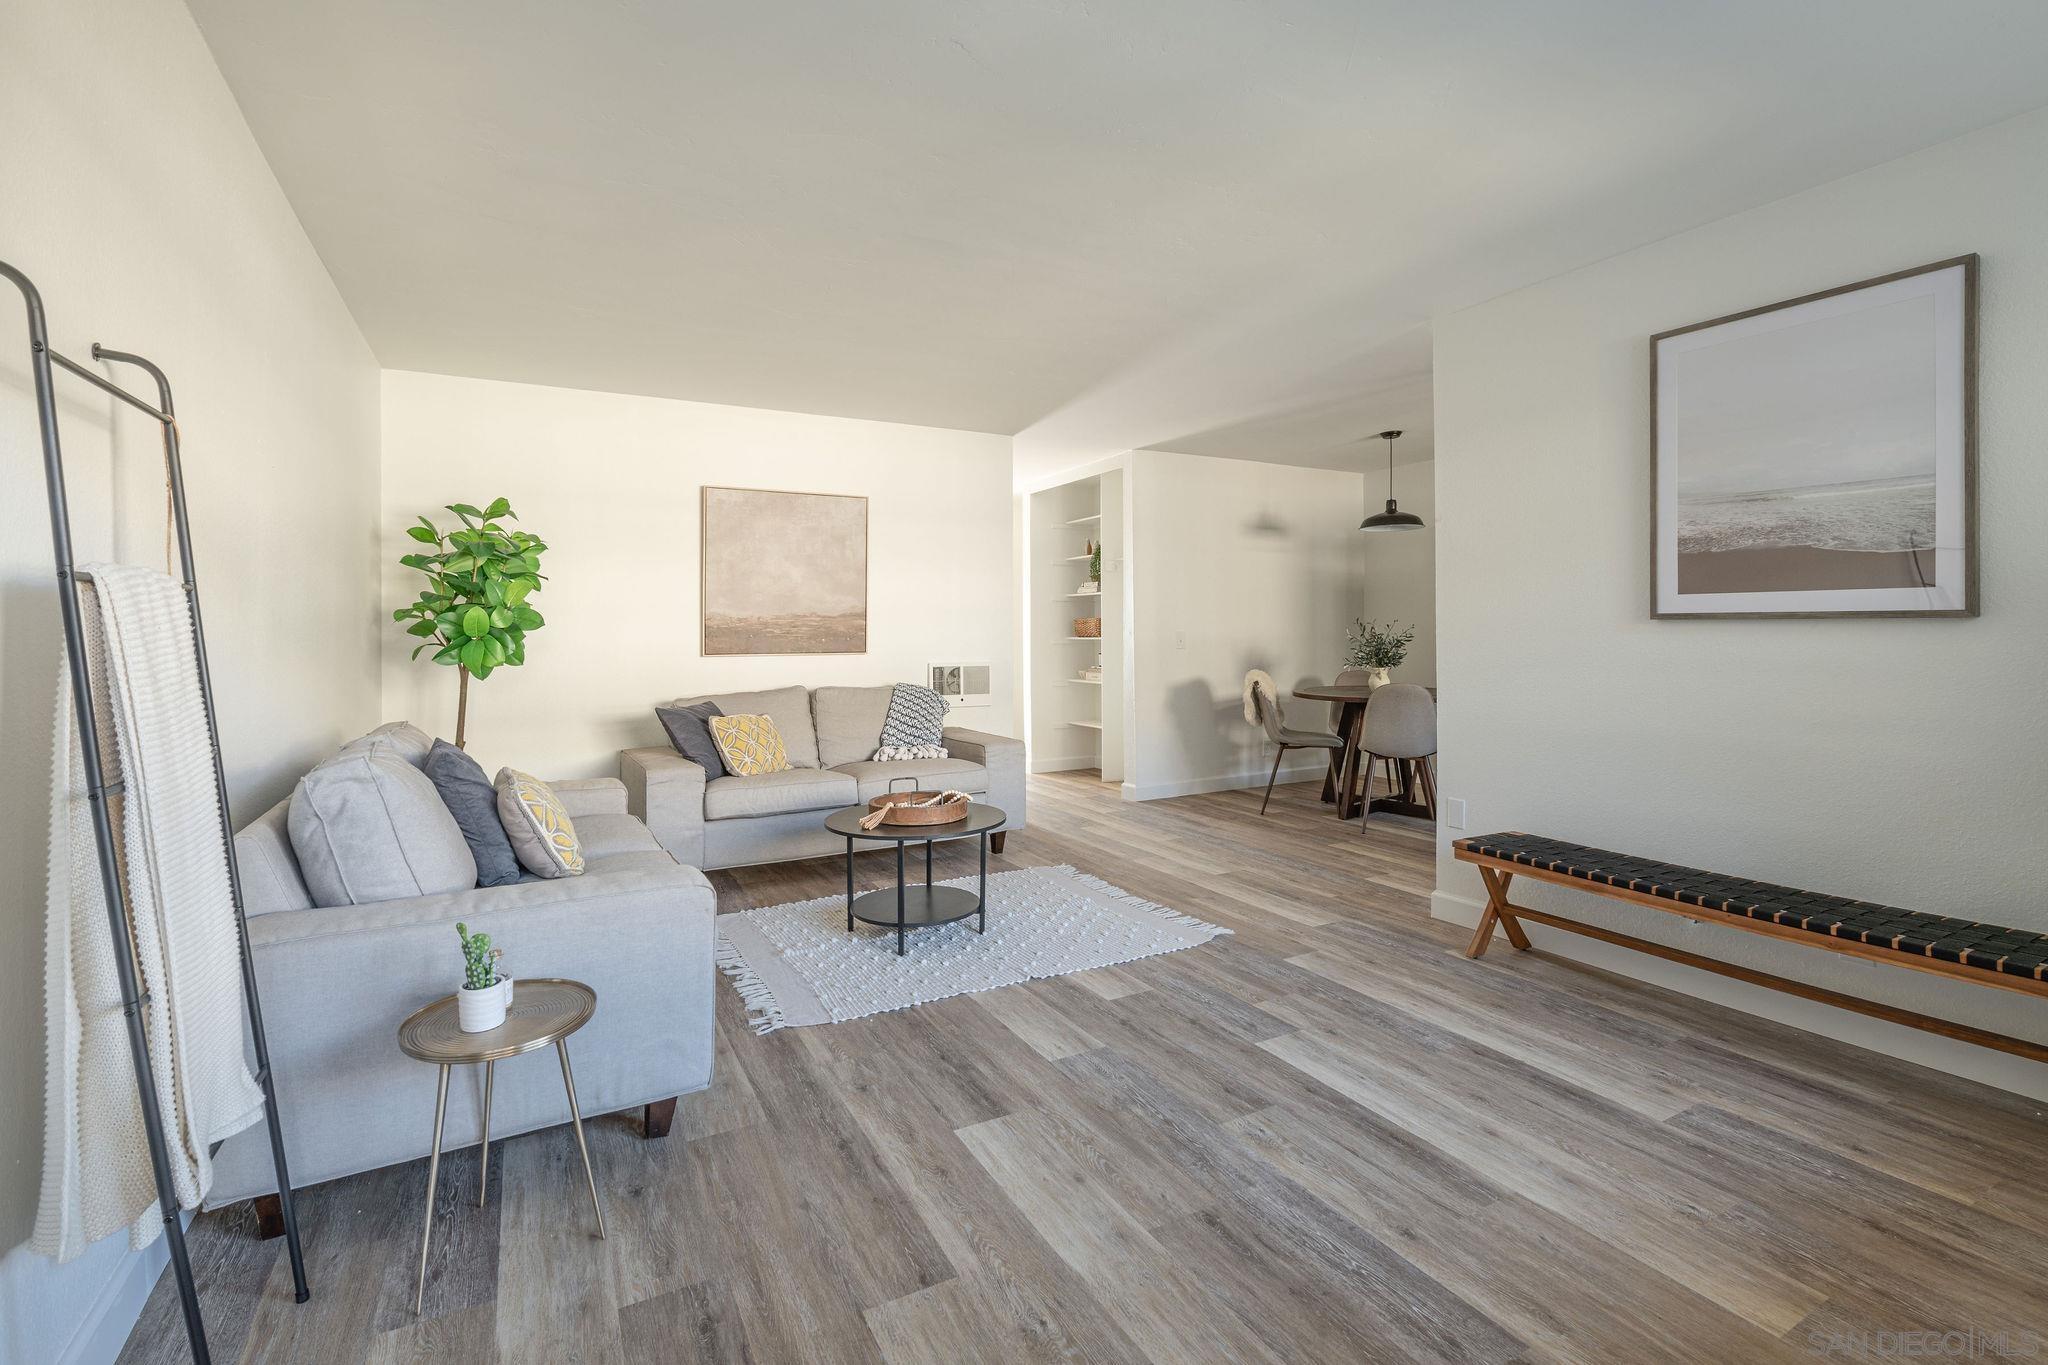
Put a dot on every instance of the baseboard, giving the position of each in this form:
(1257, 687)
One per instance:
(1065, 765)
(1195, 786)
(1872, 1035)
(114, 1311)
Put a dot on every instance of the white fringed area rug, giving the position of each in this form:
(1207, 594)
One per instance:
(796, 964)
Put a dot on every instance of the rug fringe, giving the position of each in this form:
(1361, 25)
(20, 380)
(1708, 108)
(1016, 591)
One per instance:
(1123, 897)
(764, 1011)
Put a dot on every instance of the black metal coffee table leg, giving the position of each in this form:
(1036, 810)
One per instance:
(900, 936)
(849, 883)
(927, 862)
(981, 915)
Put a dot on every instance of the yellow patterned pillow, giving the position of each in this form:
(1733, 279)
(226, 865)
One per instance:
(750, 745)
(538, 825)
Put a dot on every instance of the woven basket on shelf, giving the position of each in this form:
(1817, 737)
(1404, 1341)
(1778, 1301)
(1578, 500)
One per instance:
(1088, 627)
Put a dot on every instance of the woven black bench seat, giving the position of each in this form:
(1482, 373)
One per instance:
(1967, 950)
(1992, 947)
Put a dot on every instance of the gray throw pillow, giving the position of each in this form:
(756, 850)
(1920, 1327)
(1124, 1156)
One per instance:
(368, 826)
(473, 801)
(688, 730)
(915, 726)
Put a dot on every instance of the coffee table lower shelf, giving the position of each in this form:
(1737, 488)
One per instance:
(923, 906)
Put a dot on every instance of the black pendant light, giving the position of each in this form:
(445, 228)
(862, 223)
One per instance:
(1393, 519)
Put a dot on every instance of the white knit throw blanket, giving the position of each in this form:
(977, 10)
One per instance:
(1259, 682)
(172, 846)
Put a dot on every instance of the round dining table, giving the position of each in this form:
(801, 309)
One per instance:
(1341, 784)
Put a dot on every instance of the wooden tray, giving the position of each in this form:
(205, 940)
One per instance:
(901, 814)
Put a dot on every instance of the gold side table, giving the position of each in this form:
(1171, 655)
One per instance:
(545, 1010)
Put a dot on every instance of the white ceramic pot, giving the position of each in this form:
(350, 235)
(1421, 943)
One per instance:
(482, 1011)
(1377, 678)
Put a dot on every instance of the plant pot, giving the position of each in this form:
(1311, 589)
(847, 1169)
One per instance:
(481, 1011)
(1376, 678)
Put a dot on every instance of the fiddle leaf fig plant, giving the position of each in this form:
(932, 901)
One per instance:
(473, 612)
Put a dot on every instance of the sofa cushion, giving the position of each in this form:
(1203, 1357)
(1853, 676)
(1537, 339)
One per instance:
(872, 777)
(690, 732)
(469, 796)
(749, 746)
(268, 867)
(368, 826)
(399, 737)
(792, 789)
(604, 835)
(849, 722)
(632, 860)
(788, 707)
(538, 825)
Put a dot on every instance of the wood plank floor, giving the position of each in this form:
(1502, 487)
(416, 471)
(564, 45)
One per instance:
(1328, 1137)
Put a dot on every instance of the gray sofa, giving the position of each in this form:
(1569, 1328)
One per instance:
(337, 981)
(775, 817)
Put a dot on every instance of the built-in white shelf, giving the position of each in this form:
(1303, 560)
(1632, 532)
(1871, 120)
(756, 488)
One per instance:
(1088, 520)
(1086, 682)
(1084, 594)
(1090, 639)
(1077, 559)
(1086, 724)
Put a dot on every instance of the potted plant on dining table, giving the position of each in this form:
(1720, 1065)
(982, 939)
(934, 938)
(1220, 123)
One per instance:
(1378, 649)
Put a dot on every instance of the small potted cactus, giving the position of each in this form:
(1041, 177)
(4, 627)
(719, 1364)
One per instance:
(480, 1004)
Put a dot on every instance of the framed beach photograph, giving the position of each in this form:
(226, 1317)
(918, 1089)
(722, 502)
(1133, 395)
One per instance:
(1817, 457)
(784, 573)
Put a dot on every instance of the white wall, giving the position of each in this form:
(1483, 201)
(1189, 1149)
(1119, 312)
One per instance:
(1234, 565)
(137, 201)
(1898, 761)
(1400, 572)
(612, 483)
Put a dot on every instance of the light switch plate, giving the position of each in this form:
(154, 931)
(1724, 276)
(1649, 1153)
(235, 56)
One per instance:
(1454, 812)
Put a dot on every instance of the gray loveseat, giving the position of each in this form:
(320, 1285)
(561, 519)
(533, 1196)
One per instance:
(336, 981)
(830, 733)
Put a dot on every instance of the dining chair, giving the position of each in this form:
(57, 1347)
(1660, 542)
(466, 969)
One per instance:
(1400, 726)
(1274, 722)
(1346, 677)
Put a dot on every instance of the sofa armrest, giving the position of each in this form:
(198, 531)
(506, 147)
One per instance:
(1003, 757)
(666, 791)
(591, 795)
(977, 746)
(337, 981)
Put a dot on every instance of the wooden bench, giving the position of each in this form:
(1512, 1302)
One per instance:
(1963, 950)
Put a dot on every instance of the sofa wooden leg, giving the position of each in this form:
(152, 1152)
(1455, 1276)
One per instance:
(269, 1216)
(656, 1118)
(995, 841)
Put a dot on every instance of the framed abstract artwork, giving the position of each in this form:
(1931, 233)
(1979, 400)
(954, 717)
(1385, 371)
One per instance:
(784, 573)
(1817, 457)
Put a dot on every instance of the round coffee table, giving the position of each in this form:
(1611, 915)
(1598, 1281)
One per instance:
(915, 907)
(544, 1010)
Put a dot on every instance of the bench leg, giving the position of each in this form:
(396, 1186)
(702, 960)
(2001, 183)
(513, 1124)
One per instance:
(1497, 911)
(1483, 935)
(1497, 895)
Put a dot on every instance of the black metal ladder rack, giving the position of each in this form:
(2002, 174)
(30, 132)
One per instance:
(41, 359)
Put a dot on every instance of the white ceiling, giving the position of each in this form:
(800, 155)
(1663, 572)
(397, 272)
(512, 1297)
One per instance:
(1211, 225)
